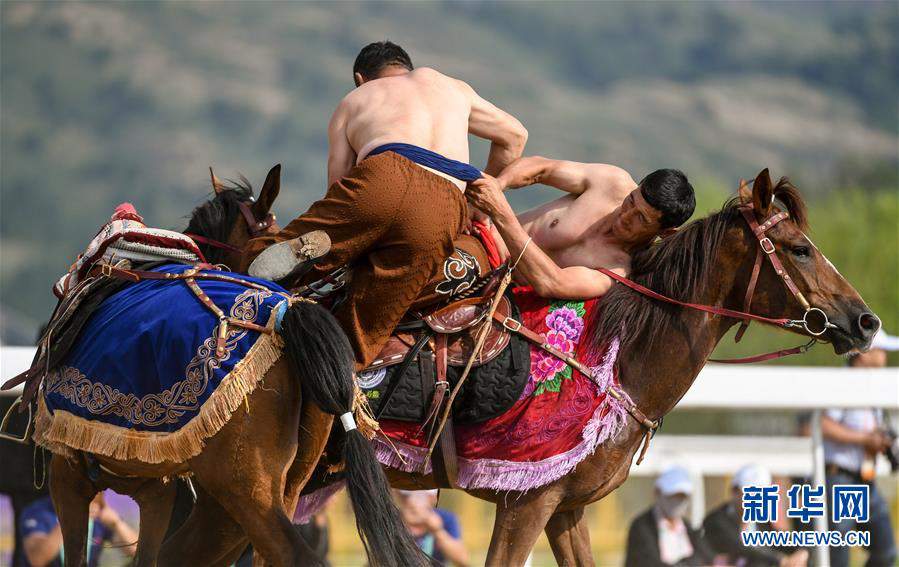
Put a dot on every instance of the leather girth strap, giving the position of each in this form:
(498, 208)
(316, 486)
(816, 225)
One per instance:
(444, 462)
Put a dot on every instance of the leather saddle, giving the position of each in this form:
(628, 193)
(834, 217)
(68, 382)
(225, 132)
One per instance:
(405, 382)
(457, 321)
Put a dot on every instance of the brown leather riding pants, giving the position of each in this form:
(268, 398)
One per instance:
(395, 223)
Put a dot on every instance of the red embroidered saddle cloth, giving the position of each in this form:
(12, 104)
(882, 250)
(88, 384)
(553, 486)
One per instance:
(560, 418)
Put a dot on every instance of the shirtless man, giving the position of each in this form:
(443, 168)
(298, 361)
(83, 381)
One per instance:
(601, 222)
(397, 171)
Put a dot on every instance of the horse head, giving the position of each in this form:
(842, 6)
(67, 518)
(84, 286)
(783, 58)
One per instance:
(224, 224)
(796, 280)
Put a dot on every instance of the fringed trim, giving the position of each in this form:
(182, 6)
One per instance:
(311, 504)
(608, 419)
(401, 456)
(61, 431)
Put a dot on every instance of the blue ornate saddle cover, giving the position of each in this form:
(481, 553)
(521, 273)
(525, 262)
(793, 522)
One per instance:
(146, 362)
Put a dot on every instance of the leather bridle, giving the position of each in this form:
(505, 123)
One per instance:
(814, 321)
(254, 226)
(766, 249)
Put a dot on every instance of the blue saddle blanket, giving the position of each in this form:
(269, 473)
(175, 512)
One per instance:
(146, 359)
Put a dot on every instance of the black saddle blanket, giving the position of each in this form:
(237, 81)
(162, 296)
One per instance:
(489, 390)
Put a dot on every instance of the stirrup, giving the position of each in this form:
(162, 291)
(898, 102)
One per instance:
(29, 429)
(289, 260)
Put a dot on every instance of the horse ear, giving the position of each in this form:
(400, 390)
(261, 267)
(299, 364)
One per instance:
(269, 192)
(217, 184)
(745, 192)
(762, 193)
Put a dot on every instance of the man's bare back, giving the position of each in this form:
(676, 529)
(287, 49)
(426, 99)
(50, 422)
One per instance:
(424, 108)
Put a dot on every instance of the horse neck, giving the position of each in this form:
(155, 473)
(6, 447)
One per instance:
(658, 377)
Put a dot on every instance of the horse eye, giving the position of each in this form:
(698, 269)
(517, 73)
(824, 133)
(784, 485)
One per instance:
(801, 251)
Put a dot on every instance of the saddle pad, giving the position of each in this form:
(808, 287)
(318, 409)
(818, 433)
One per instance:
(143, 381)
(559, 420)
(126, 236)
(489, 390)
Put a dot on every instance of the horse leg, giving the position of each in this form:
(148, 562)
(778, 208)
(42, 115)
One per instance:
(72, 492)
(569, 538)
(519, 521)
(315, 427)
(209, 517)
(209, 536)
(156, 500)
(244, 467)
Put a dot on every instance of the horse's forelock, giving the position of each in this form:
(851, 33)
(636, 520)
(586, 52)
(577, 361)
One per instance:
(788, 195)
(215, 218)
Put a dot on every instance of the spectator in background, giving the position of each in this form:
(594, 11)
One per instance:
(661, 535)
(436, 530)
(42, 536)
(723, 525)
(853, 439)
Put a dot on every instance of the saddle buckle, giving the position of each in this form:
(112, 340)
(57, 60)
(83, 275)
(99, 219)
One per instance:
(106, 270)
(511, 324)
(767, 245)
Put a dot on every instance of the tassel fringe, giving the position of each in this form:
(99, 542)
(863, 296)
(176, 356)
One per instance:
(61, 432)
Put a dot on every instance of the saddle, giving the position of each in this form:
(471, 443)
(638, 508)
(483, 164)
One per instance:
(425, 359)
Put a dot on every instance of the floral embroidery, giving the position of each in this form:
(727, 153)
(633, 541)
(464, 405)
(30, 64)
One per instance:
(165, 407)
(565, 324)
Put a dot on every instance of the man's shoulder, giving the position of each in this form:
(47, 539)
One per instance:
(609, 178)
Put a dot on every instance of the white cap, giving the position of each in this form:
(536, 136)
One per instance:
(751, 475)
(674, 480)
(884, 341)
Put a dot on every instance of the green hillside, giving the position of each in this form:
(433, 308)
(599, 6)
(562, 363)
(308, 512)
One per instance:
(106, 102)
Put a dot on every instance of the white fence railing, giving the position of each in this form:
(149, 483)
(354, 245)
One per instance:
(721, 387)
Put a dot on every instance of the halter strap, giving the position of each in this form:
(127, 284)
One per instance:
(254, 227)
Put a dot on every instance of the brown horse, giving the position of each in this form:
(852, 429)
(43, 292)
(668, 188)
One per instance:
(662, 352)
(665, 346)
(252, 469)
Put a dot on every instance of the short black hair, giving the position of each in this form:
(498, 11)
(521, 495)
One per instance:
(375, 56)
(669, 192)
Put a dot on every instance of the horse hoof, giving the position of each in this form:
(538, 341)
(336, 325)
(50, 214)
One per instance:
(291, 258)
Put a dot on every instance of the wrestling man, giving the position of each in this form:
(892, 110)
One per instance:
(397, 170)
(604, 218)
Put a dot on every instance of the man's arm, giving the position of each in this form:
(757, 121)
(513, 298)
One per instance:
(122, 534)
(833, 430)
(506, 134)
(341, 156)
(569, 176)
(536, 268)
(447, 538)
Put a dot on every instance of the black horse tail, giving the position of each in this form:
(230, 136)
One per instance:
(321, 354)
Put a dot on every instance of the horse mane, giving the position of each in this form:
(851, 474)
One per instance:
(215, 218)
(678, 267)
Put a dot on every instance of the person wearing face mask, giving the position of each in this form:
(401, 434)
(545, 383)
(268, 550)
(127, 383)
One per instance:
(723, 525)
(662, 535)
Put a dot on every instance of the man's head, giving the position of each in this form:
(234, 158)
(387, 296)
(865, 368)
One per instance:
(416, 506)
(380, 59)
(673, 490)
(661, 202)
(746, 476)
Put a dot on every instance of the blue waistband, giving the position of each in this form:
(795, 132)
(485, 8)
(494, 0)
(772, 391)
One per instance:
(427, 158)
